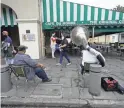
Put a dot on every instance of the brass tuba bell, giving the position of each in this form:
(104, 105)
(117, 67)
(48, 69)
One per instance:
(79, 36)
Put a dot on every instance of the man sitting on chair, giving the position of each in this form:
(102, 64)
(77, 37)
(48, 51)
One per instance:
(32, 68)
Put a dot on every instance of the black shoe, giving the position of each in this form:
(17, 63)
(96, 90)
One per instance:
(49, 80)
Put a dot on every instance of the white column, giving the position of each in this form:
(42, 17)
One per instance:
(98, 39)
(93, 34)
(105, 39)
(34, 47)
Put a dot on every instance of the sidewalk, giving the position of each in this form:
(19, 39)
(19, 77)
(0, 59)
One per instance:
(67, 87)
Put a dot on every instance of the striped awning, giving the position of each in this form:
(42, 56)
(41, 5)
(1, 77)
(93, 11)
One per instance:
(8, 17)
(59, 12)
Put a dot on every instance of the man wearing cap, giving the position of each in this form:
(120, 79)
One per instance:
(32, 68)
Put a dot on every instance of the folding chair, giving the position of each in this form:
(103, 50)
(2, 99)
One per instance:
(18, 71)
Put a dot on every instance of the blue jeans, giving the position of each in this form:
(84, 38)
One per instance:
(57, 47)
(41, 74)
(9, 60)
(63, 53)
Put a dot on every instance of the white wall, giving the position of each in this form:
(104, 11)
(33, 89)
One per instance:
(122, 38)
(25, 9)
(28, 10)
(114, 38)
(33, 46)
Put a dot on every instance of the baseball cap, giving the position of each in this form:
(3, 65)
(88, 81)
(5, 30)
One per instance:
(22, 48)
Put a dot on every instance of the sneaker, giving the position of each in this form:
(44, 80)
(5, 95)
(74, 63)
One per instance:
(68, 64)
(49, 80)
(58, 64)
(53, 57)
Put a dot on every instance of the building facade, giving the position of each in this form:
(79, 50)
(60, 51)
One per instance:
(31, 22)
(28, 19)
(106, 39)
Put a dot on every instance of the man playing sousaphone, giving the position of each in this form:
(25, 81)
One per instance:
(79, 36)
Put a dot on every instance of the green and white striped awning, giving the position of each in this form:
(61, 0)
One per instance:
(58, 12)
(8, 17)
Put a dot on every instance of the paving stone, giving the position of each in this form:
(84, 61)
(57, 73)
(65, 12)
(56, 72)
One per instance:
(81, 83)
(55, 102)
(65, 81)
(84, 94)
(10, 93)
(83, 104)
(29, 100)
(71, 93)
(22, 92)
(48, 90)
(119, 96)
(71, 74)
(74, 103)
(58, 74)
(54, 80)
(75, 82)
(39, 100)
(72, 67)
(105, 95)
(13, 100)
(86, 80)
(19, 92)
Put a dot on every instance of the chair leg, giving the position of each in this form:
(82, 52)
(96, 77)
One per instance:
(12, 71)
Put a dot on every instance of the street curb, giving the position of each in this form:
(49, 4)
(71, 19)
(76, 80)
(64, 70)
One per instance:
(43, 102)
(68, 103)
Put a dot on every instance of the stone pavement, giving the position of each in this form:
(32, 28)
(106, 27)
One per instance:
(67, 87)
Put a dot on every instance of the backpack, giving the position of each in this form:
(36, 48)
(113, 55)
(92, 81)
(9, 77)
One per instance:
(6, 50)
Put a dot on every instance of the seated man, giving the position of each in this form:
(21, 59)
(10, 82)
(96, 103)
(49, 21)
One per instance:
(32, 68)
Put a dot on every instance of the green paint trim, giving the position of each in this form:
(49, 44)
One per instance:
(110, 30)
(92, 13)
(78, 12)
(5, 17)
(120, 16)
(114, 30)
(99, 14)
(51, 10)
(58, 10)
(106, 14)
(11, 17)
(85, 12)
(44, 11)
(71, 11)
(65, 10)
(113, 15)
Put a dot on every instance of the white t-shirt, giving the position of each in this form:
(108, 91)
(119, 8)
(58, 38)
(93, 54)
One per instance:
(53, 41)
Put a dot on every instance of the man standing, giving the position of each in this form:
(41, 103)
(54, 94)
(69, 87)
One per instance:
(8, 47)
(6, 37)
(63, 51)
(32, 68)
